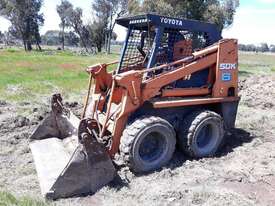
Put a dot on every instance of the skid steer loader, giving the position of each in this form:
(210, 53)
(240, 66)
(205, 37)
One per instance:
(176, 83)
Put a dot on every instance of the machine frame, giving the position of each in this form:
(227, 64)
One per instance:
(131, 91)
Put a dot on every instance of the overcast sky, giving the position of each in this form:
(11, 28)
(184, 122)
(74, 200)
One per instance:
(254, 21)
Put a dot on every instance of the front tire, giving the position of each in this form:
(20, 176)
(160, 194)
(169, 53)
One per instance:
(201, 134)
(147, 144)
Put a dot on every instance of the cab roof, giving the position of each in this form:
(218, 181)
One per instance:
(143, 20)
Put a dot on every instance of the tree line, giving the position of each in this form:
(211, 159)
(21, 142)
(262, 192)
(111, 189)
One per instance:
(26, 19)
(263, 47)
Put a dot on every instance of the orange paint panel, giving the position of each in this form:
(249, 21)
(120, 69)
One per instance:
(152, 86)
(178, 92)
(226, 69)
(192, 101)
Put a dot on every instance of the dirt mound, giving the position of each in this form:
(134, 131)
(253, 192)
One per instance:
(258, 91)
(17, 173)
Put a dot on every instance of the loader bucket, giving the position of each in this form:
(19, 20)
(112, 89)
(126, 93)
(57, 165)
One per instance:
(66, 166)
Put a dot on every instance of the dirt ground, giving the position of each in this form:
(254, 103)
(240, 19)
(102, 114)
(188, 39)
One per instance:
(243, 173)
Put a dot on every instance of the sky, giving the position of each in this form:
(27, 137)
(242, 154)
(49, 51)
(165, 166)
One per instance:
(254, 21)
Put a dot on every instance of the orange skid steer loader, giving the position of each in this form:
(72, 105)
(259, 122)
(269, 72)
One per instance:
(176, 83)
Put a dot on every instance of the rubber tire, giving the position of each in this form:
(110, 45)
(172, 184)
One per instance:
(133, 136)
(187, 135)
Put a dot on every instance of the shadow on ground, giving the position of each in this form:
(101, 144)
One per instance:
(236, 139)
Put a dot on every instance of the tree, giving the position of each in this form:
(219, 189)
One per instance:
(25, 19)
(251, 47)
(158, 6)
(36, 22)
(96, 30)
(8, 38)
(53, 37)
(242, 47)
(2, 37)
(62, 11)
(74, 20)
(133, 6)
(272, 48)
(263, 47)
(106, 12)
(114, 36)
(220, 12)
(71, 39)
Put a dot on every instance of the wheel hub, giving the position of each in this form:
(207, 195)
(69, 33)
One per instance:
(151, 147)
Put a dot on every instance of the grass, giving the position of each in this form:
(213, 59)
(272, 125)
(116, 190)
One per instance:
(25, 76)
(7, 199)
(41, 73)
(256, 63)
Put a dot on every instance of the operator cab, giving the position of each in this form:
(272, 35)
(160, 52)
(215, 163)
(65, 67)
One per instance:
(154, 40)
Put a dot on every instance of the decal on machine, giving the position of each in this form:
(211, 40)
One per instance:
(171, 21)
(138, 21)
(227, 66)
(226, 76)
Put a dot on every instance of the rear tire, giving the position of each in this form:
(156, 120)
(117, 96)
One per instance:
(201, 134)
(147, 144)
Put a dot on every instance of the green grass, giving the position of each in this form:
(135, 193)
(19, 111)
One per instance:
(24, 75)
(7, 199)
(256, 63)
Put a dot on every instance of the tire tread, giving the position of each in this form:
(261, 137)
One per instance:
(189, 128)
(130, 133)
